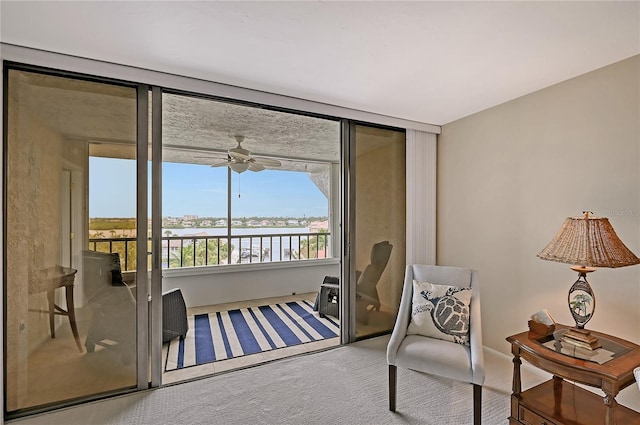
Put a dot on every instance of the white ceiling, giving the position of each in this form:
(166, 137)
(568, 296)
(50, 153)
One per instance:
(432, 62)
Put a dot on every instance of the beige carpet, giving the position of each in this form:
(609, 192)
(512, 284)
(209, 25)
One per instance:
(346, 385)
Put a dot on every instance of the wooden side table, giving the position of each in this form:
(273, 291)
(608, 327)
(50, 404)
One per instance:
(559, 402)
(50, 279)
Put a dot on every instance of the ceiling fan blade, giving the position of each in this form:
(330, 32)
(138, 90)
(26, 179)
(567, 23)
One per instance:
(221, 164)
(267, 162)
(213, 155)
(239, 155)
(254, 166)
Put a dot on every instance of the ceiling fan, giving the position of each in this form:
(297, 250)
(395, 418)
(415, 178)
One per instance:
(240, 160)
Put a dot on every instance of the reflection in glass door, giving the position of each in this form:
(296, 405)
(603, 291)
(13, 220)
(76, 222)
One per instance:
(379, 227)
(70, 232)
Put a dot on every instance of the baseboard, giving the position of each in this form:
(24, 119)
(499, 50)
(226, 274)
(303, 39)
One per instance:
(529, 368)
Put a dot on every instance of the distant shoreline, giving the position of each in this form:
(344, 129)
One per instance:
(128, 225)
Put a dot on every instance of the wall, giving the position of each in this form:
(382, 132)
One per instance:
(248, 283)
(510, 175)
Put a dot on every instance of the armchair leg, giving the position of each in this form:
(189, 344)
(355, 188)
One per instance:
(393, 373)
(477, 404)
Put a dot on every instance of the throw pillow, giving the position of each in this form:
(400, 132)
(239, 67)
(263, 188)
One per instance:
(440, 311)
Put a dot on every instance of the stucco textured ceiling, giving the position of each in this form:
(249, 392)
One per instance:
(432, 62)
(194, 130)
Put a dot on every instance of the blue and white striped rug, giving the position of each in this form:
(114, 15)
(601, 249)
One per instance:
(233, 333)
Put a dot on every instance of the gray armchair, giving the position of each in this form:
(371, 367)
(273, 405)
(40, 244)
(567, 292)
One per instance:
(435, 356)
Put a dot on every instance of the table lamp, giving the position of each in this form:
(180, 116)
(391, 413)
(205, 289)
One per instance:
(587, 242)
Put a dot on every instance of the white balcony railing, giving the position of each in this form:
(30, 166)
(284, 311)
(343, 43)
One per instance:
(192, 251)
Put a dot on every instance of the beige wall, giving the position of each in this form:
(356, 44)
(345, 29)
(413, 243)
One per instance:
(510, 175)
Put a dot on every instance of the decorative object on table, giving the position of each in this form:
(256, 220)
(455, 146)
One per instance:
(581, 338)
(587, 242)
(542, 323)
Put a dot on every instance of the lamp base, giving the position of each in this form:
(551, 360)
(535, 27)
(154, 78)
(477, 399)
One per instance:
(581, 299)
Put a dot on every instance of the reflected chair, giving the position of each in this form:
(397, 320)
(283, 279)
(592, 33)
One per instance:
(434, 356)
(367, 281)
(113, 323)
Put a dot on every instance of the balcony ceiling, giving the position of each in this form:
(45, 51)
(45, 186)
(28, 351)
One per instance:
(194, 130)
(432, 62)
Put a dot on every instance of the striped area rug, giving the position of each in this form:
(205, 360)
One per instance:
(233, 333)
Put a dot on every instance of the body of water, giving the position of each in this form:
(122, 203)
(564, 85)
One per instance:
(222, 231)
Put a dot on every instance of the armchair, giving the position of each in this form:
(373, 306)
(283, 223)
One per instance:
(436, 356)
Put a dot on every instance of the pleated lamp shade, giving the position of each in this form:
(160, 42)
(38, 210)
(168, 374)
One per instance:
(590, 242)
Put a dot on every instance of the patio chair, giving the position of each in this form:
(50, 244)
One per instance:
(174, 315)
(367, 281)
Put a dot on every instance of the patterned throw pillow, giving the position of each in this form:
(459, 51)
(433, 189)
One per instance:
(440, 311)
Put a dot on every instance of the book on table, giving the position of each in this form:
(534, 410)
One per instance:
(599, 355)
(581, 338)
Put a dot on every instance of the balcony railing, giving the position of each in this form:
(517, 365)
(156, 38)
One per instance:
(191, 251)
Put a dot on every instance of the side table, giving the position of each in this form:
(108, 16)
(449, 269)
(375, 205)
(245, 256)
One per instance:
(559, 402)
(48, 280)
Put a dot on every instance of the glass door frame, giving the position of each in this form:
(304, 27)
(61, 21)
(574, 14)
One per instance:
(348, 286)
(148, 329)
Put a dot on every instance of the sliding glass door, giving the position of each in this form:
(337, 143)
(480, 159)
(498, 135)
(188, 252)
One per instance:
(71, 182)
(377, 162)
(250, 211)
(246, 190)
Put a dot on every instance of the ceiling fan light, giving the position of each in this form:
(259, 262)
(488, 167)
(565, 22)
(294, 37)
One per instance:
(239, 167)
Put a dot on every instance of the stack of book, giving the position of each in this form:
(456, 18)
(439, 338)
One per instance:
(580, 338)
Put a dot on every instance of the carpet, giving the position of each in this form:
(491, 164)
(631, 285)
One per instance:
(227, 334)
(344, 385)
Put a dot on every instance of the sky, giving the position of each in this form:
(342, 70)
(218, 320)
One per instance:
(201, 190)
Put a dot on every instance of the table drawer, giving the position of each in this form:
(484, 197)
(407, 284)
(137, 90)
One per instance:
(527, 417)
